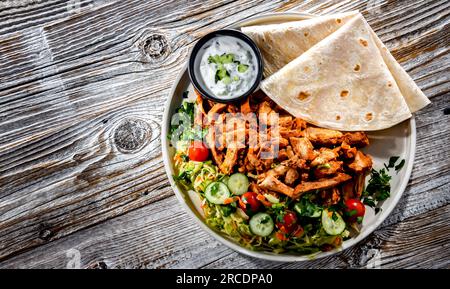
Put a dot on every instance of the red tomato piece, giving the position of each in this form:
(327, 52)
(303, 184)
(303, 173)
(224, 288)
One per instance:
(249, 203)
(354, 210)
(198, 151)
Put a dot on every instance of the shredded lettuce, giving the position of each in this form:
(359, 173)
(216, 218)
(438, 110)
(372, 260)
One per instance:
(196, 175)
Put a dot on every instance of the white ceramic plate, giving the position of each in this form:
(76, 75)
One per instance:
(399, 141)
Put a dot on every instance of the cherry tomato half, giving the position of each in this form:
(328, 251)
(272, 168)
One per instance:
(198, 151)
(289, 222)
(249, 203)
(354, 209)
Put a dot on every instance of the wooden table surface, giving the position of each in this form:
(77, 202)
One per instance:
(83, 84)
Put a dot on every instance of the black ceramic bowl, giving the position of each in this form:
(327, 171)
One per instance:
(194, 73)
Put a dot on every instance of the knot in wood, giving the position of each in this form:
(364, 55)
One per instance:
(101, 265)
(45, 234)
(156, 46)
(131, 135)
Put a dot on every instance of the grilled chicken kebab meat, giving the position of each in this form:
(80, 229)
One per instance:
(299, 158)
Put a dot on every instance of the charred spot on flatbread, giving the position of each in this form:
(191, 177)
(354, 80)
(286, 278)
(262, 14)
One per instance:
(363, 42)
(344, 93)
(303, 95)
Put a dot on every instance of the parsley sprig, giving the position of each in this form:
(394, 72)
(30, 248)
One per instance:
(379, 188)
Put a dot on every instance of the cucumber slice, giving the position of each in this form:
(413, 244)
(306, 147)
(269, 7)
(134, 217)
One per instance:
(332, 226)
(225, 179)
(272, 198)
(238, 183)
(261, 224)
(217, 193)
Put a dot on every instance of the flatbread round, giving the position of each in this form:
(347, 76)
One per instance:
(341, 83)
(281, 43)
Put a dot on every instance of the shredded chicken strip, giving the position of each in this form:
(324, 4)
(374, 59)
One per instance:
(303, 148)
(273, 184)
(323, 136)
(299, 124)
(361, 164)
(291, 176)
(285, 121)
(278, 171)
(230, 160)
(325, 155)
(320, 184)
(199, 113)
(245, 106)
(358, 139)
(348, 190)
(210, 140)
(288, 133)
(253, 159)
(214, 111)
(328, 170)
(348, 151)
(359, 185)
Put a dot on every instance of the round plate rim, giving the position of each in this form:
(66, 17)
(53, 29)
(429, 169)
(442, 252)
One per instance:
(267, 255)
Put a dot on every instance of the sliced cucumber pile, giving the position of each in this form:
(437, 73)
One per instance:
(217, 193)
(261, 224)
(332, 222)
(238, 184)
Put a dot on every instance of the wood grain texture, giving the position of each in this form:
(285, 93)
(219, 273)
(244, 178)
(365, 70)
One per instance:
(82, 90)
(151, 237)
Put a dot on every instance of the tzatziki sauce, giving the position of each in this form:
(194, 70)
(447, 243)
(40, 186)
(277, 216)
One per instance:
(228, 66)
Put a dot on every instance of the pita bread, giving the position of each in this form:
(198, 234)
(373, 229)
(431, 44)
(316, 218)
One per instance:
(413, 95)
(281, 43)
(344, 83)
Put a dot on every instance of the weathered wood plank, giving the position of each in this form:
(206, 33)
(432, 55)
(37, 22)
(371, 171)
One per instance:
(81, 99)
(62, 167)
(160, 235)
(22, 14)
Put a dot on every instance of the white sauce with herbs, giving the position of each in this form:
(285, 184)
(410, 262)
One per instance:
(228, 67)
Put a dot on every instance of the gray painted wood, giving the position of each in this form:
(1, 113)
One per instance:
(82, 89)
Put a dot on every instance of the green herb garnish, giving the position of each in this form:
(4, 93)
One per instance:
(324, 166)
(306, 208)
(351, 213)
(334, 217)
(279, 210)
(400, 165)
(392, 161)
(265, 220)
(184, 120)
(227, 210)
(222, 74)
(214, 189)
(184, 157)
(379, 187)
(242, 68)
